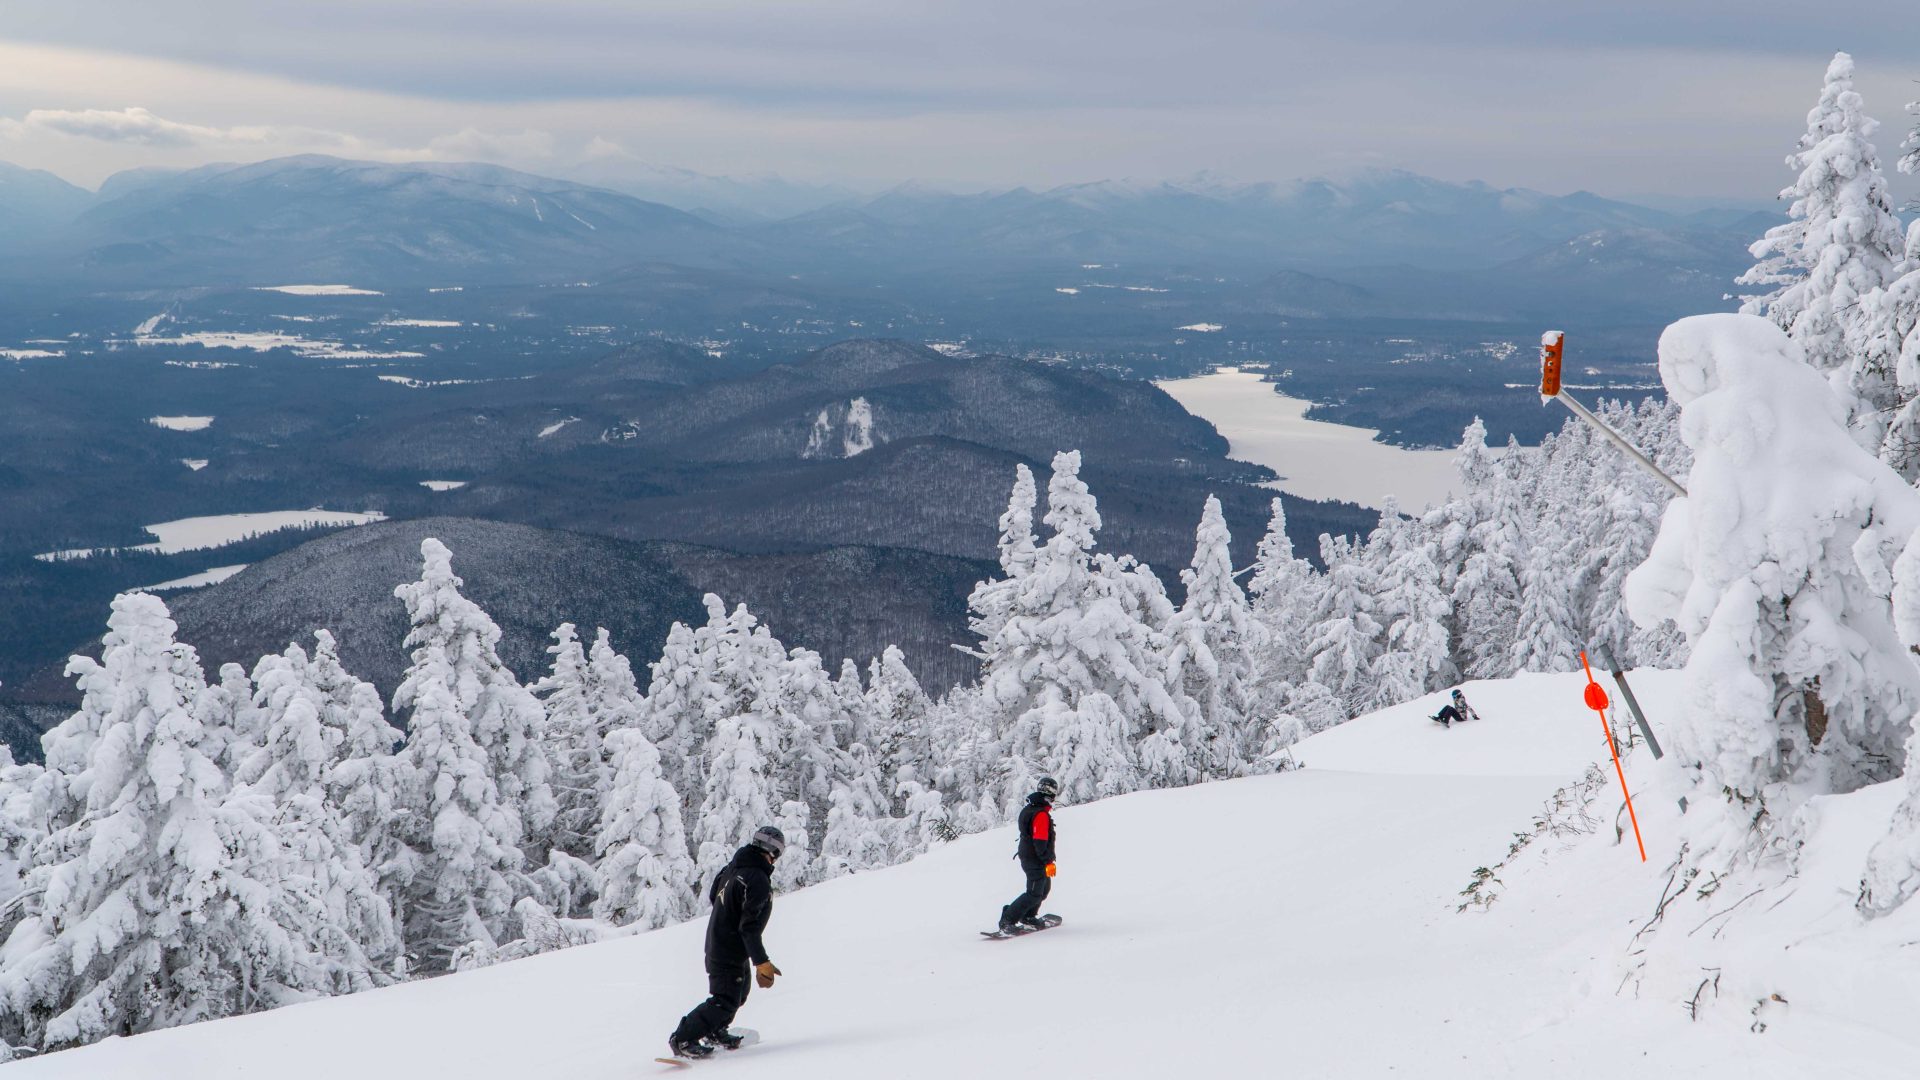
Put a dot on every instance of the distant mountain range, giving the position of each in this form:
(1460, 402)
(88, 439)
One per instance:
(312, 218)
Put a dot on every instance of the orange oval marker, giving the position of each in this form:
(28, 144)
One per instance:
(1597, 701)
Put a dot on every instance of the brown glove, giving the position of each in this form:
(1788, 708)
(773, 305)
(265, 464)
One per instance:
(764, 973)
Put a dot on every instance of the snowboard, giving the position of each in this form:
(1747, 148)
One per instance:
(1051, 921)
(748, 1037)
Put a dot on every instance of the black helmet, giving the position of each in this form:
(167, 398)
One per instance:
(1048, 786)
(770, 840)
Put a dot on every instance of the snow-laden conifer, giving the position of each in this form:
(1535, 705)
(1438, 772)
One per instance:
(153, 898)
(645, 876)
(1214, 642)
(1775, 565)
(1346, 633)
(1414, 654)
(575, 733)
(461, 642)
(1843, 241)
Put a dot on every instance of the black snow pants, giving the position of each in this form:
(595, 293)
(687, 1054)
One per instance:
(1027, 905)
(727, 989)
(1449, 714)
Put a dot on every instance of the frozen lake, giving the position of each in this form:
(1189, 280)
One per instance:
(200, 533)
(1315, 459)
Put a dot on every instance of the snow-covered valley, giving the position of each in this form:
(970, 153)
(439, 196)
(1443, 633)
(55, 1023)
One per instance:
(1302, 924)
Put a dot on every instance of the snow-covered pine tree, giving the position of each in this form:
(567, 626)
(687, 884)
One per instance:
(900, 712)
(467, 833)
(152, 898)
(645, 876)
(1775, 565)
(368, 781)
(1283, 591)
(860, 833)
(992, 600)
(678, 711)
(1486, 590)
(1544, 632)
(1843, 241)
(1213, 641)
(747, 770)
(1345, 635)
(331, 898)
(1073, 676)
(504, 718)
(1884, 332)
(574, 737)
(1414, 655)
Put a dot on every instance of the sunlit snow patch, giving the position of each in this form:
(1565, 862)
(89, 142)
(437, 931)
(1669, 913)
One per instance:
(1068, 290)
(194, 463)
(194, 581)
(317, 290)
(430, 323)
(552, 428)
(29, 354)
(1202, 327)
(443, 485)
(181, 423)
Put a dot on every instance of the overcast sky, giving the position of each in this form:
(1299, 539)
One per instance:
(1623, 97)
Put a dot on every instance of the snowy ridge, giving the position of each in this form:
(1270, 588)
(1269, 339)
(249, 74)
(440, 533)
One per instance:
(1327, 918)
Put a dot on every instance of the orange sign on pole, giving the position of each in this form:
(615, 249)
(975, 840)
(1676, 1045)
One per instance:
(1597, 701)
(1551, 344)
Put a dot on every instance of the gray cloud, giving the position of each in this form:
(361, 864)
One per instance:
(1618, 96)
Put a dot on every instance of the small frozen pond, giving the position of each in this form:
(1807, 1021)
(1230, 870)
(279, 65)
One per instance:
(181, 423)
(1315, 459)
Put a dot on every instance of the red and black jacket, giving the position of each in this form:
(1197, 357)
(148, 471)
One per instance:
(1036, 831)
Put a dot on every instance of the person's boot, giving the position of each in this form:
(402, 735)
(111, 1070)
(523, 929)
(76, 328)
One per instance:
(691, 1049)
(725, 1040)
(1034, 922)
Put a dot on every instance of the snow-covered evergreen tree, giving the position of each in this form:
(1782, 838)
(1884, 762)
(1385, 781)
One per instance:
(367, 781)
(1345, 634)
(1282, 591)
(900, 710)
(1775, 566)
(645, 876)
(575, 735)
(1414, 654)
(453, 634)
(992, 600)
(334, 900)
(1073, 676)
(467, 833)
(1842, 242)
(153, 897)
(1214, 641)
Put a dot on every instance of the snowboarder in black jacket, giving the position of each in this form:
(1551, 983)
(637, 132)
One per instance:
(742, 898)
(1036, 858)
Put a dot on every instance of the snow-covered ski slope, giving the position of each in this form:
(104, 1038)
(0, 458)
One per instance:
(1299, 925)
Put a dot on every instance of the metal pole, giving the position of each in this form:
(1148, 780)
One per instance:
(1553, 345)
(1633, 704)
(1618, 440)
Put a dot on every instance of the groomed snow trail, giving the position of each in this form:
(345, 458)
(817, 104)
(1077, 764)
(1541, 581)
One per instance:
(1300, 925)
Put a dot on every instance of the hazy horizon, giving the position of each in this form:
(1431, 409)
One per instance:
(1632, 100)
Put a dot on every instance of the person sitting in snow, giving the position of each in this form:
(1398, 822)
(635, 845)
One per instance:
(1036, 858)
(742, 898)
(1457, 710)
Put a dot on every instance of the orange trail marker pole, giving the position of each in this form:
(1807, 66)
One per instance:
(1597, 701)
